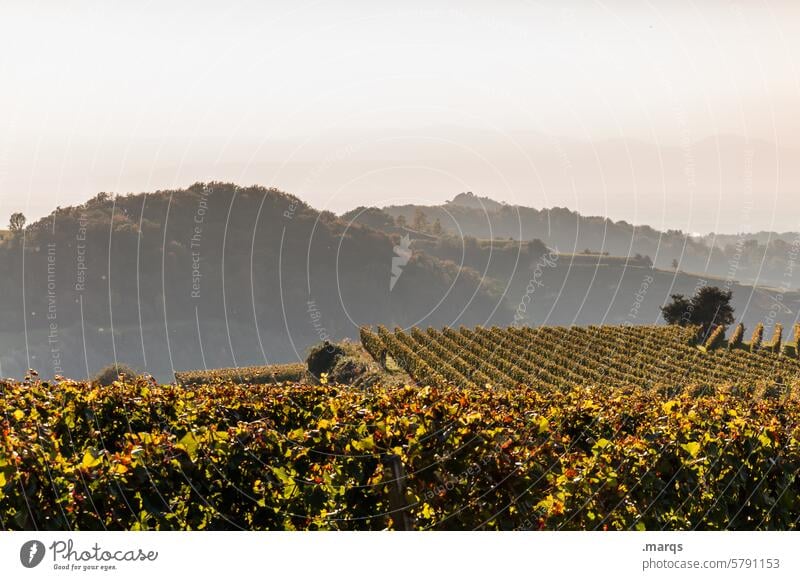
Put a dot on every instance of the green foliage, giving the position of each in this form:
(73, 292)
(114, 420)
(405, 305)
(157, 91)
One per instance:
(261, 457)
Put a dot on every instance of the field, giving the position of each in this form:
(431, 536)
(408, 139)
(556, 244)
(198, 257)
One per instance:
(619, 428)
(643, 356)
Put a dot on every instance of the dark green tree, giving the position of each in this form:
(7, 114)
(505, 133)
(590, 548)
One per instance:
(709, 307)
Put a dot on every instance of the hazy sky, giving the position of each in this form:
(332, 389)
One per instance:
(672, 113)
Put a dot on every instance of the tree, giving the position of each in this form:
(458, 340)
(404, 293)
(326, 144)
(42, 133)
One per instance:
(437, 230)
(400, 221)
(678, 311)
(420, 220)
(16, 222)
(709, 307)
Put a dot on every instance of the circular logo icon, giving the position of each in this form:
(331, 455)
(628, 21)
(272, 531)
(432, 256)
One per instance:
(32, 553)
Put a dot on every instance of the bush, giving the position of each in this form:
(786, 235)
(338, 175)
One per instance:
(111, 373)
(347, 370)
(322, 358)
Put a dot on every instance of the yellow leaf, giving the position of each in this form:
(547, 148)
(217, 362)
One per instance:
(91, 460)
(118, 469)
(19, 414)
(543, 424)
(189, 443)
(366, 444)
(602, 443)
(692, 448)
(427, 512)
(669, 406)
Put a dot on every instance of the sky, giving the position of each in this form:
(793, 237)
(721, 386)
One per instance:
(676, 114)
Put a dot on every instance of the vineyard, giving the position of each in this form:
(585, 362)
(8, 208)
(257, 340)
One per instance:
(292, 372)
(643, 356)
(605, 428)
(142, 456)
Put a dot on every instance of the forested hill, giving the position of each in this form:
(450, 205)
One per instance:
(211, 276)
(763, 258)
(218, 275)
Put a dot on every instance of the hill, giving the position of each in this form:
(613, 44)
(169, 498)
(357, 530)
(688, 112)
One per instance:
(211, 276)
(221, 276)
(761, 258)
(542, 286)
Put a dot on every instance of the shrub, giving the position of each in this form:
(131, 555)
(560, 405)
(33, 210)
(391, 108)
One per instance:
(114, 372)
(347, 370)
(322, 358)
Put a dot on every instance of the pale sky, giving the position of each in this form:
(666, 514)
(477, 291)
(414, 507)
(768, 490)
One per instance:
(675, 114)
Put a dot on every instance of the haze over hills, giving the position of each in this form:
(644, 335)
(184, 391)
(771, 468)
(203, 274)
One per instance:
(720, 183)
(211, 276)
(218, 275)
(765, 258)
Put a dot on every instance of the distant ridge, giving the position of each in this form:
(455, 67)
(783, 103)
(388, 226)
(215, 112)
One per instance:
(760, 258)
(473, 201)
